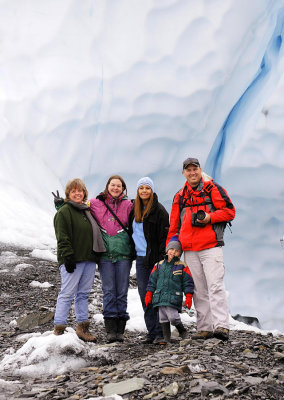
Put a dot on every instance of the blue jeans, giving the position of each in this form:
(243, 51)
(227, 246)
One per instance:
(115, 282)
(78, 285)
(151, 315)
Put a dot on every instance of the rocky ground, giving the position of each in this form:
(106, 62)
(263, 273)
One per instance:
(248, 366)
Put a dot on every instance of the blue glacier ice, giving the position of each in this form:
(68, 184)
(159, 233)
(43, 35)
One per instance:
(250, 101)
(132, 87)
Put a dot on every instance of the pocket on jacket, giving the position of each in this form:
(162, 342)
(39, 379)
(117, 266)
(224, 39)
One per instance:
(156, 296)
(176, 298)
(177, 275)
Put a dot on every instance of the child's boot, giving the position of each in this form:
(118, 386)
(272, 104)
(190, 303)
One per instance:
(181, 330)
(166, 328)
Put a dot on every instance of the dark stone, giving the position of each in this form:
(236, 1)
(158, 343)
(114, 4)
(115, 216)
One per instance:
(253, 321)
(35, 319)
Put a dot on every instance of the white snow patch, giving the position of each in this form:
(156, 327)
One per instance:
(50, 354)
(44, 254)
(44, 285)
(241, 326)
(13, 323)
(9, 257)
(21, 267)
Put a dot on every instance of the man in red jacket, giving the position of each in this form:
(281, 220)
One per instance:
(198, 217)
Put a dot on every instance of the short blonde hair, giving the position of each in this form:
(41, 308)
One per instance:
(74, 184)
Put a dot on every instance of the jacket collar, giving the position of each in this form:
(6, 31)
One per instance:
(201, 186)
(79, 206)
(173, 260)
(155, 203)
(112, 200)
(187, 188)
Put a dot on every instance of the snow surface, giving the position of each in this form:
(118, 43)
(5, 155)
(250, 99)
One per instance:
(93, 88)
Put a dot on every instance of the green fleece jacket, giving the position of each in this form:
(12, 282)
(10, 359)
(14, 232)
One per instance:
(74, 235)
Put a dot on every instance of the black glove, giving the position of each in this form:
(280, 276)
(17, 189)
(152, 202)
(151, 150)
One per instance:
(58, 201)
(70, 263)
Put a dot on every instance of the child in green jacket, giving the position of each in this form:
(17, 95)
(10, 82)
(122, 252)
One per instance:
(168, 281)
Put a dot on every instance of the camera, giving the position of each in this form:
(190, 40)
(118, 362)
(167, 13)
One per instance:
(200, 214)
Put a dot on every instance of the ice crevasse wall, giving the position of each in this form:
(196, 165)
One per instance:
(134, 87)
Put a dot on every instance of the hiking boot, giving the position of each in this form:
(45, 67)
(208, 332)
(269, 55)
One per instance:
(181, 330)
(221, 333)
(59, 329)
(111, 329)
(120, 330)
(83, 332)
(203, 335)
(148, 340)
(159, 341)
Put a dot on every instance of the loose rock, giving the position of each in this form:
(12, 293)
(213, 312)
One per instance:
(248, 366)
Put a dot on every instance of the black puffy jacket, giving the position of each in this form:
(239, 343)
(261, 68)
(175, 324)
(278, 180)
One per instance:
(155, 227)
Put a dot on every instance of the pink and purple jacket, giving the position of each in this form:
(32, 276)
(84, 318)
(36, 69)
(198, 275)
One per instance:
(120, 206)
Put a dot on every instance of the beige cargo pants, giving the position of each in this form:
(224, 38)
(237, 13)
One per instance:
(210, 300)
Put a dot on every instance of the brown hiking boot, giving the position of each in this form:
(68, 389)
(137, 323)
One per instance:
(203, 335)
(83, 332)
(221, 333)
(59, 329)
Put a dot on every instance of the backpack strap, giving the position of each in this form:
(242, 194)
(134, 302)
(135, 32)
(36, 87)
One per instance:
(207, 192)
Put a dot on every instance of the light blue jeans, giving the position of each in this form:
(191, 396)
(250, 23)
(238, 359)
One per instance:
(78, 285)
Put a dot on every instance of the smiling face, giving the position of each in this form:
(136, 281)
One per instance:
(115, 188)
(144, 192)
(173, 253)
(76, 191)
(192, 174)
(77, 195)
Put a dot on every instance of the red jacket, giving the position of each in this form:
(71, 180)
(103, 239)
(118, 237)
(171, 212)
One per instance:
(210, 197)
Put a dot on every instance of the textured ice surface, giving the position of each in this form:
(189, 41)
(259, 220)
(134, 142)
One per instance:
(134, 87)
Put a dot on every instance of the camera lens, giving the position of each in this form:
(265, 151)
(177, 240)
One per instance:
(200, 215)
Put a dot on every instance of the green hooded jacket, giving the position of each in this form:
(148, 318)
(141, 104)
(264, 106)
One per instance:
(168, 281)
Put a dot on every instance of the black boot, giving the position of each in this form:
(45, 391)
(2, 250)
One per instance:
(181, 330)
(166, 328)
(120, 329)
(111, 329)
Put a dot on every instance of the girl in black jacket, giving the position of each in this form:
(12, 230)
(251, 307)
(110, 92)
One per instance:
(148, 224)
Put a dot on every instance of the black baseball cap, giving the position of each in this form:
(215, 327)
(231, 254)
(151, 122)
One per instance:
(191, 161)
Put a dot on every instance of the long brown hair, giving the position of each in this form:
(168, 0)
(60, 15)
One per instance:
(74, 184)
(139, 211)
(124, 188)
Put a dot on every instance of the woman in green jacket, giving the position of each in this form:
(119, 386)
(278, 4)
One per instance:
(79, 244)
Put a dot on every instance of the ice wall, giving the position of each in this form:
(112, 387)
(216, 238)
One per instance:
(90, 88)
